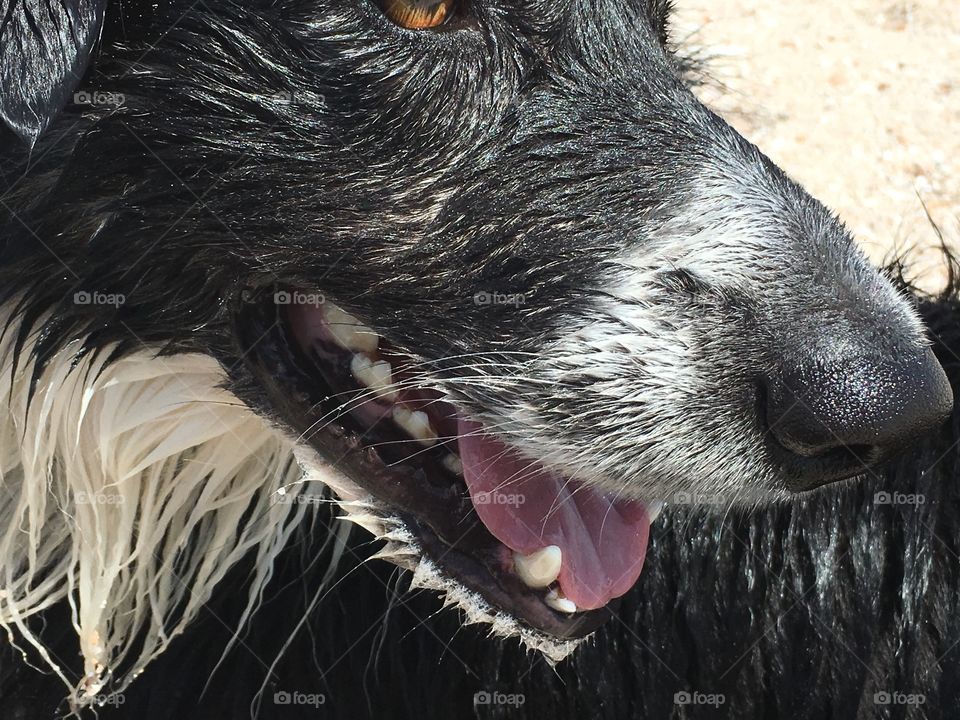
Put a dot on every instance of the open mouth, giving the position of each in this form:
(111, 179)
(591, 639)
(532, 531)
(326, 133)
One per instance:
(552, 553)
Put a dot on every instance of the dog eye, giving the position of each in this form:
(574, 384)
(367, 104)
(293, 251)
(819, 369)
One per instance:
(418, 14)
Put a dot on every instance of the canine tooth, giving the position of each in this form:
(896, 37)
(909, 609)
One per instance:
(452, 463)
(559, 603)
(348, 332)
(416, 424)
(375, 375)
(539, 569)
(654, 508)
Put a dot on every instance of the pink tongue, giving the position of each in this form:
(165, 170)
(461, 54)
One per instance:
(526, 507)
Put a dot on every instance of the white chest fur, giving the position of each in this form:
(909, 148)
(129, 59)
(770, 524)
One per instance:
(130, 489)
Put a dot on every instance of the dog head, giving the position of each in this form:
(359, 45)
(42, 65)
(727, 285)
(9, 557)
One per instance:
(493, 263)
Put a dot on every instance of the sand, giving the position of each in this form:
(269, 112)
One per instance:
(859, 101)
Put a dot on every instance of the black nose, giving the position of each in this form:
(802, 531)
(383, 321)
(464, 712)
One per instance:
(836, 416)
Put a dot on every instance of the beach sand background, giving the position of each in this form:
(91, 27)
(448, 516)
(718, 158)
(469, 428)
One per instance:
(859, 101)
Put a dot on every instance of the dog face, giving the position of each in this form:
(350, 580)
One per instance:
(506, 274)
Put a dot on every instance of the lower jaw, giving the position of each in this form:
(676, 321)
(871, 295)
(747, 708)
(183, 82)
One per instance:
(473, 573)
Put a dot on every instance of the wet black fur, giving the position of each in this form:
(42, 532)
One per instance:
(800, 611)
(333, 173)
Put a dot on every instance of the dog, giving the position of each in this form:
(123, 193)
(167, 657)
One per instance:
(487, 276)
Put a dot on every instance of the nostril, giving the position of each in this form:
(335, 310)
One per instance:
(856, 410)
(803, 433)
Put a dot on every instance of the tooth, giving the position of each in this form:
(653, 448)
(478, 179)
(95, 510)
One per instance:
(347, 331)
(452, 463)
(654, 508)
(375, 375)
(539, 569)
(559, 603)
(416, 424)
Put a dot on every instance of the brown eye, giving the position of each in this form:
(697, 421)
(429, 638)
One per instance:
(418, 14)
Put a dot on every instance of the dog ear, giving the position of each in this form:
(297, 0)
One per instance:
(44, 50)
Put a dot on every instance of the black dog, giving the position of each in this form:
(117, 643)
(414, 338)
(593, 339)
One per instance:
(492, 274)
